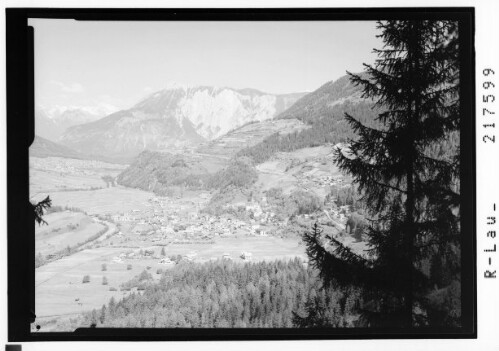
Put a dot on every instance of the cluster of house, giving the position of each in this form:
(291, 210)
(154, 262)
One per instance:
(135, 255)
(246, 256)
(165, 219)
(325, 180)
(338, 213)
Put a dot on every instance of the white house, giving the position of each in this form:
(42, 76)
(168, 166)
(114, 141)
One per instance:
(165, 261)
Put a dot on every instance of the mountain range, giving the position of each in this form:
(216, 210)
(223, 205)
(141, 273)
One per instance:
(51, 123)
(208, 120)
(173, 118)
(42, 147)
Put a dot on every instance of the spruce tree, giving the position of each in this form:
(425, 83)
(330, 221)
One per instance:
(411, 192)
(39, 209)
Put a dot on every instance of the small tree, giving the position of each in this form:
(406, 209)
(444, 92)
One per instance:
(129, 267)
(93, 318)
(144, 275)
(103, 314)
(163, 253)
(104, 281)
(86, 279)
(104, 267)
(109, 180)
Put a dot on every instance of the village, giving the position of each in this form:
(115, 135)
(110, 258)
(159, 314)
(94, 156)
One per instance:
(167, 221)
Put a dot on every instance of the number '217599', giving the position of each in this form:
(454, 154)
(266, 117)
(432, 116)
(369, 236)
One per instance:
(488, 100)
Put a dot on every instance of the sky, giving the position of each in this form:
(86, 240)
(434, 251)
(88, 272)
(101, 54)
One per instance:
(116, 64)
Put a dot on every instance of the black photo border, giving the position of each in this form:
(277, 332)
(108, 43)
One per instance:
(20, 134)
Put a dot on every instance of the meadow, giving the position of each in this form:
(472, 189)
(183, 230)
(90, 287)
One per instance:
(64, 229)
(111, 200)
(60, 290)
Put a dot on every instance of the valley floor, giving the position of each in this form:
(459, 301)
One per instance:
(60, 291)
(101, 237)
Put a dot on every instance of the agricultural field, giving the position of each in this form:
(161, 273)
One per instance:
(55, 174)
(59, 285)
(60, 290)
(309, 169)
(64, 229)
(262, 248)
(250, 134)
(101, 201)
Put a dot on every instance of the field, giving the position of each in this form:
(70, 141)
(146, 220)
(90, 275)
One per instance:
(59, 283)
(54, 174)
(262, 248)
(251, 134)
(101, 201)
(60, 290)
(64, 229)
(304, 168)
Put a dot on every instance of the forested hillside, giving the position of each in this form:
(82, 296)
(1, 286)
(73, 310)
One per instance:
(160, 172)
(324, 110)
(232, 182)
(223, 294)
(318, 102)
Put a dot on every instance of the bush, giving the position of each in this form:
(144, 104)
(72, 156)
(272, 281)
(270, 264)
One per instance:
(129, 267)
(113, 289)
(144, 276)
(148, 267)
(104, 267)
(104, 281)
(159, 271)
(86, 279)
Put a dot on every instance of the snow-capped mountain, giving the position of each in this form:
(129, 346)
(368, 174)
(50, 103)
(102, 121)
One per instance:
(52, 122)
(173, 117)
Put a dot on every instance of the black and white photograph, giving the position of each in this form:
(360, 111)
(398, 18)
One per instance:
(248, 175)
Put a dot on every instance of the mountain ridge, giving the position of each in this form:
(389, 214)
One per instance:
(174, 118)
(323, 111)
(51, 123)
(42, 147)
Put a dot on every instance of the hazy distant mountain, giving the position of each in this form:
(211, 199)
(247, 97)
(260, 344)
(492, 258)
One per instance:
(51, 123)
(175, 117)
(42, 147)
